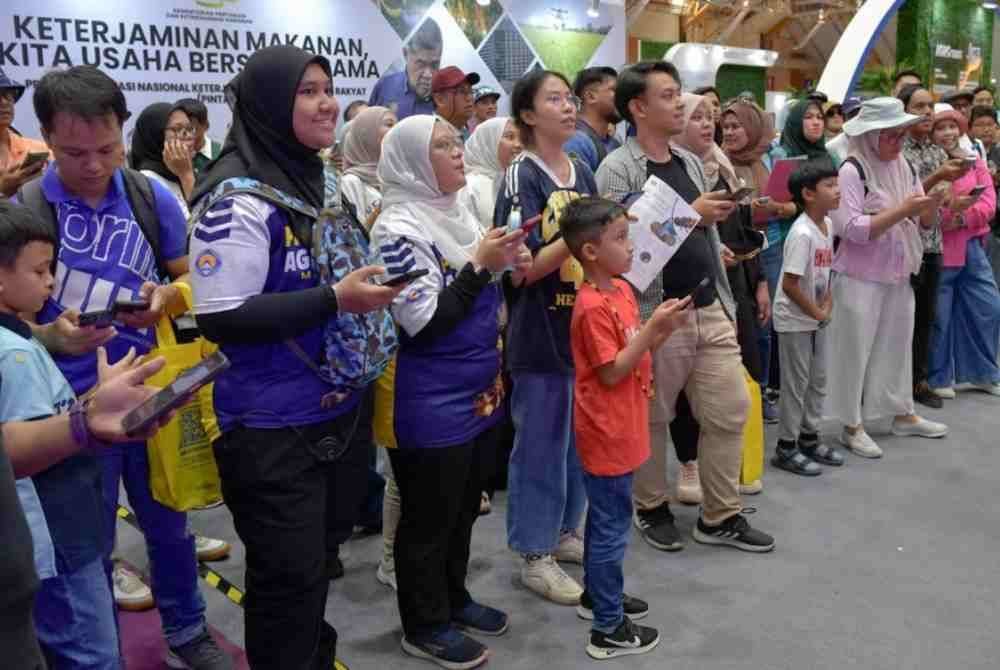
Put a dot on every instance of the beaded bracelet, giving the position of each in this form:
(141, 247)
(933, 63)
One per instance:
(79, 428)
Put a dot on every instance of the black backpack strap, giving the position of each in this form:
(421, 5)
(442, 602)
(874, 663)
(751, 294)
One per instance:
(142, 200)
(861, 171)
(31, 196)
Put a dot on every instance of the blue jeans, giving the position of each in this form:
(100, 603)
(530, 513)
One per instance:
(173, 566)
(767, 339)
(967, 327)
(75, 620)
(545, 493)
(604, 543)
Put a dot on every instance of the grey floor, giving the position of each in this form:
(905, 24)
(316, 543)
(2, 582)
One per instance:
(885, 564)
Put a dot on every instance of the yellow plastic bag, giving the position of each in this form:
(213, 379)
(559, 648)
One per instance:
(182, 470)
(753, 435)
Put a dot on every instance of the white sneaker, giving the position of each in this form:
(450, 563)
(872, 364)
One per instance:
(919, 428)
(544, 576)
(946, 392)
(570, 549)
(210, 548)
(751, 489)
(386, 576)
(992, 389)
(861, 444)
(689, 484)
(131, 593)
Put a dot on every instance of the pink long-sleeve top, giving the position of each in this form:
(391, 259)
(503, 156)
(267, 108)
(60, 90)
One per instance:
(882, 259)
(977, 217)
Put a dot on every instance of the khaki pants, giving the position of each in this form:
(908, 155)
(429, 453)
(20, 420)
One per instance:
(702, 357)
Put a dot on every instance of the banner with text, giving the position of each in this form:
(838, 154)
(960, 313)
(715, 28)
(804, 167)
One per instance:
(165, 50)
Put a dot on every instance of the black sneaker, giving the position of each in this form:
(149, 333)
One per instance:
(633, 607)
(449, 649)
(923, 394)
(733, 532)
(201, 653)
(657, 528)
(627, 639)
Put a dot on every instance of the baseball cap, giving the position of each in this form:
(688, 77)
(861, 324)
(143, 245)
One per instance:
(485, 91)
(452, 77)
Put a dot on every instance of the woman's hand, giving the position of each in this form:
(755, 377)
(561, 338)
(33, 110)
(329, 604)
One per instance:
(499, 249)
(177, 158)
(522, 265)
(357, 295)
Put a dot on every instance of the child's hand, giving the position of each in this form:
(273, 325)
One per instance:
(669, 316)
(826, 307)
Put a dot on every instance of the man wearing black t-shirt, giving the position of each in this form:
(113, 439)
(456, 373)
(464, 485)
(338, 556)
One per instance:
(702, 357)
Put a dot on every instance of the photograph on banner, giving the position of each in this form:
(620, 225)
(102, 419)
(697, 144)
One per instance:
(662, 221)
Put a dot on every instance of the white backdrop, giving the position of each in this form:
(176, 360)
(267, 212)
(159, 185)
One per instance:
(163, 50)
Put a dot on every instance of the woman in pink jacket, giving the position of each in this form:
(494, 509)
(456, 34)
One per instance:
(967, 327)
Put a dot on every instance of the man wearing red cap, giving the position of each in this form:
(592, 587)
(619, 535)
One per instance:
(451, 90)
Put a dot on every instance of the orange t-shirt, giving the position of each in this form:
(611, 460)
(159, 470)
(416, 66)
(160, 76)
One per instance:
(611, 423)
(19, 147)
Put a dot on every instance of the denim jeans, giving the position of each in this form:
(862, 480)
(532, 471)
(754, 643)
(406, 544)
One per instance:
(75, 620)
(172, 562)
(545, 492)
(604, 541)
(967, 328)
(771, 260)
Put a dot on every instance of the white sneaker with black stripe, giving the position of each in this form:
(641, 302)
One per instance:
(628, 639)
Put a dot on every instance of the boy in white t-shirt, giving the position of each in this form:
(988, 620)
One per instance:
(802, 309)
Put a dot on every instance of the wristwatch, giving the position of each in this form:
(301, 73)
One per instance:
(81, 430)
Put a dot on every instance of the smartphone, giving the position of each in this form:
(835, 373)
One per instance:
(101, 318)
(740, 194)
(130, 306)
(35, 157)
(977, 191)
(702, 284)
(763, 200)
(530, 223)
(174, 394)
(405, 278)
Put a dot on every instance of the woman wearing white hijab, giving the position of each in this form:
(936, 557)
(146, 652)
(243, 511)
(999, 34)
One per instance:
(882, 201)
(359, 185)
(489, 151)
(449, 393)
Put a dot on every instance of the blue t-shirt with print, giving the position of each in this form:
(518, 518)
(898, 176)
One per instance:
(244, 246)
(70, 491)
(103, 257)
(538, 335)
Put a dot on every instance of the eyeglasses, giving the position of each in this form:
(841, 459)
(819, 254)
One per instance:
(557, 100)
(180, 131)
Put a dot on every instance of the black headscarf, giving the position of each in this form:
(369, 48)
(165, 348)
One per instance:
(793, 138)
(147, 141)
(261, 143)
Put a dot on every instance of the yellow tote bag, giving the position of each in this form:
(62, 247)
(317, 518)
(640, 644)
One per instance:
(182, 470)
(753, 435)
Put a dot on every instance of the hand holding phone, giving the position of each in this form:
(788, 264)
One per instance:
(702, 284)
(34, 158)
(739, 195)
(405, 278)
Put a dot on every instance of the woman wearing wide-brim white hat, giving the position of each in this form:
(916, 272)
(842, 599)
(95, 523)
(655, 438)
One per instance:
(881, 206)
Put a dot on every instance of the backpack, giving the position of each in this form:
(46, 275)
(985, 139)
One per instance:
(356, 347)
(141, 199)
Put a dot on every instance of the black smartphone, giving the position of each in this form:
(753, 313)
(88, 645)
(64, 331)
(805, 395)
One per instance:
(405, 278)
(977, 191)
(35, 157)
(175, 394)
(130, 306)
(101, 318)
(702, 284)
(740, 194)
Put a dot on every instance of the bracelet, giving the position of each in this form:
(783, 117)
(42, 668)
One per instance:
(80, 430)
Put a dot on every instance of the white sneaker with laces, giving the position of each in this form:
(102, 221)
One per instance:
(946, 392)
(689, 484)
(386, 576)
(919, 428)
(992, 389)
(861, 444)
(570, 549)
(131, 593)
(544, 576)
(210, 548)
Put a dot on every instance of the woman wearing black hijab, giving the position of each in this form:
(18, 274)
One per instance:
(162, 149)
(287, 437)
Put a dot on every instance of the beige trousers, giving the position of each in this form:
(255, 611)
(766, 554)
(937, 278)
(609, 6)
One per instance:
(702, 357)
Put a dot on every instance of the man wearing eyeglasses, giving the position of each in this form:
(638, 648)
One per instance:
(451, 90)
(15, 168)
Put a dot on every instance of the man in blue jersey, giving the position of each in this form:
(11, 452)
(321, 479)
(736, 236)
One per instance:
(594, 138)
(409, 92)
(106, 254)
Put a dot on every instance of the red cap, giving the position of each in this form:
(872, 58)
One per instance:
(452, 77)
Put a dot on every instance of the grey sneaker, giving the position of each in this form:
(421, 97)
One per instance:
(201, 653)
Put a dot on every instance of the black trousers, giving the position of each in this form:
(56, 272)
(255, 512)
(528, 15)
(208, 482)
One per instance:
(684, 431)
(925, 289)
(440, 491)
(284, 494)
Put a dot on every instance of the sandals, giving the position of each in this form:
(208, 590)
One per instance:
(796, 462)
(823, 453)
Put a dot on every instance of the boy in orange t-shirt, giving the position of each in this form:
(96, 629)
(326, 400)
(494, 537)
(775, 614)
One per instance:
(613, 384)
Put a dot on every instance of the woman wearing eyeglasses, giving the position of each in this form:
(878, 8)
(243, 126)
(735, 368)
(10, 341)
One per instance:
(162, 149)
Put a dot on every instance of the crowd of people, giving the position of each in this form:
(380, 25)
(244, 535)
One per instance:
(514, 355)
